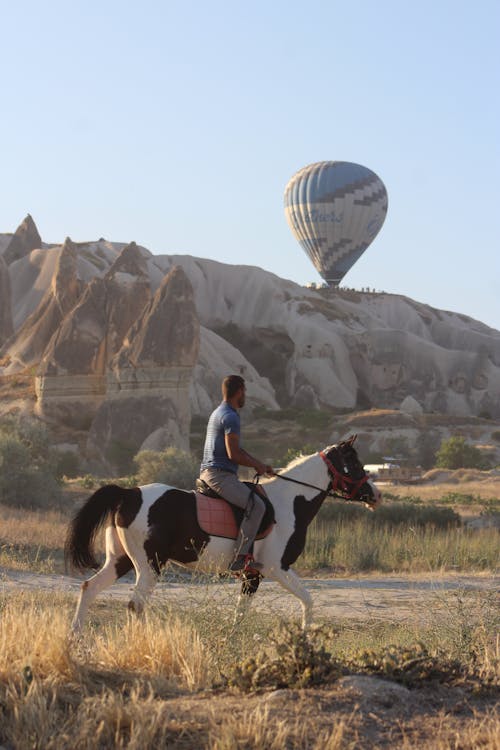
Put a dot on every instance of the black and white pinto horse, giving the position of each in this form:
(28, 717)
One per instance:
(155, 523)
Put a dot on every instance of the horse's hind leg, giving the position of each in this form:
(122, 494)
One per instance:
(146, 577)
(249, 586)
(145, 583)
(116, 565)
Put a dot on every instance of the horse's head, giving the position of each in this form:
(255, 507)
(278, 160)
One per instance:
(348, 477)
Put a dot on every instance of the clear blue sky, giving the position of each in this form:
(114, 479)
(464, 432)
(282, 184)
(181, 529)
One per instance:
(178, 125)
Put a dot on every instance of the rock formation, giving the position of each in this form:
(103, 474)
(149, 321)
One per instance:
(24, 240)
(147, 393)
(129, 365)
(216, 358)
(6, 325)
(128, 291)
(71, 380)
(28, 345)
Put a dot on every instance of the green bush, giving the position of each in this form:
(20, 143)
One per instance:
(293, 453)
(67, 464)
(171, 466)
(27, 465)
(456, 453)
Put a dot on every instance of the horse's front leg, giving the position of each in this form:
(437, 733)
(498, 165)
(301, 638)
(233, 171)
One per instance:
(292, 583)
(249, 585)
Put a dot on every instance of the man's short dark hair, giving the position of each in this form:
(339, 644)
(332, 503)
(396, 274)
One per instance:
(231, 385)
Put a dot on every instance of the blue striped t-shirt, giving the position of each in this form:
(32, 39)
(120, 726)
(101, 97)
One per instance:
(223, 421)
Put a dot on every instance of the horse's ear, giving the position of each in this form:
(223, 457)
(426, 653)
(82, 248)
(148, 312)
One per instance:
(351, 440)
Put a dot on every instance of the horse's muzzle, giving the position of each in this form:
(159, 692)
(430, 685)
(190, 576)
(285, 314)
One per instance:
(375, 500)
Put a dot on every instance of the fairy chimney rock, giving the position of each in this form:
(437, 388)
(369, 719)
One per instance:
(168, 331)
(28, 346)
(24, 240)
(128, 290)
(66, 286)
(71, 380)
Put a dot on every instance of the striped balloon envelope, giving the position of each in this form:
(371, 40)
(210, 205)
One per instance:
(335, 209)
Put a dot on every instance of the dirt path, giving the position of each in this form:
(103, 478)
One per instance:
(402, 598)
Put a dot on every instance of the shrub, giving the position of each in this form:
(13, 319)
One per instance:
(27, 465)
(410, 665)
(291, 659)
(171, 466)
(456, 453)
(120, 454)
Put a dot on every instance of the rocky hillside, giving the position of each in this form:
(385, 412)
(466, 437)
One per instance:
(115, 336)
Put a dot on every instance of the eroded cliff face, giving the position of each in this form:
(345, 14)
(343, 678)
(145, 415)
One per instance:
(6, 323)
(348, 350)
(126, 344)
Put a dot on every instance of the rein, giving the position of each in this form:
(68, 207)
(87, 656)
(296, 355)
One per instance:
(335, 486)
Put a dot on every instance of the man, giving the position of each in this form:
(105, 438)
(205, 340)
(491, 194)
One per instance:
(222, 455)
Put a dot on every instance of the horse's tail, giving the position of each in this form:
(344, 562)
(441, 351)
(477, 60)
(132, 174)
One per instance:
(79, 546)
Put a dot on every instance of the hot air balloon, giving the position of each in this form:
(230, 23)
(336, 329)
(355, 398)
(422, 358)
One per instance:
(335, 209)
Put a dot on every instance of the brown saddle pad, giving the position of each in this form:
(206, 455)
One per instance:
(217, 517)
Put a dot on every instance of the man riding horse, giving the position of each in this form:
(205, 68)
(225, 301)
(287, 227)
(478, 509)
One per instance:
(222, 455)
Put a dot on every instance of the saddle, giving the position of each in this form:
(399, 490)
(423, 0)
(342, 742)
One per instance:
(217, 517)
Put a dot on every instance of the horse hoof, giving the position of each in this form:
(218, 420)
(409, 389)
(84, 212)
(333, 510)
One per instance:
(135, 608)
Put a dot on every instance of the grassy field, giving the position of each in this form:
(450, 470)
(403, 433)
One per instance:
(33, 540)
(415, 531)
(362, 546)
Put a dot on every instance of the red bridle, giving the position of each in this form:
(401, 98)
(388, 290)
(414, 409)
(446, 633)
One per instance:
(341, 482)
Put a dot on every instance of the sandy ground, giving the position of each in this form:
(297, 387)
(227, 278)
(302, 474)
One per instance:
(402, 598)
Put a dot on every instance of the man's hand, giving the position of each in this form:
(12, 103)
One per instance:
(261, 468)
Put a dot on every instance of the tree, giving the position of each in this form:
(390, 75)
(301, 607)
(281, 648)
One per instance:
(456, 453)
(426, 446)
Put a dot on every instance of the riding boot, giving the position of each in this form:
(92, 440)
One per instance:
(254, 512)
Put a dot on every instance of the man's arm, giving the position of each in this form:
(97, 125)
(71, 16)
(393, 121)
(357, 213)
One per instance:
(239, 456)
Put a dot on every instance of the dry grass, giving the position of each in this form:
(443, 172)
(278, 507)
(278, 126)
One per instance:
(480, 485)
(148, 684)
(360, 546)
(32, 539)
(473, 494)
